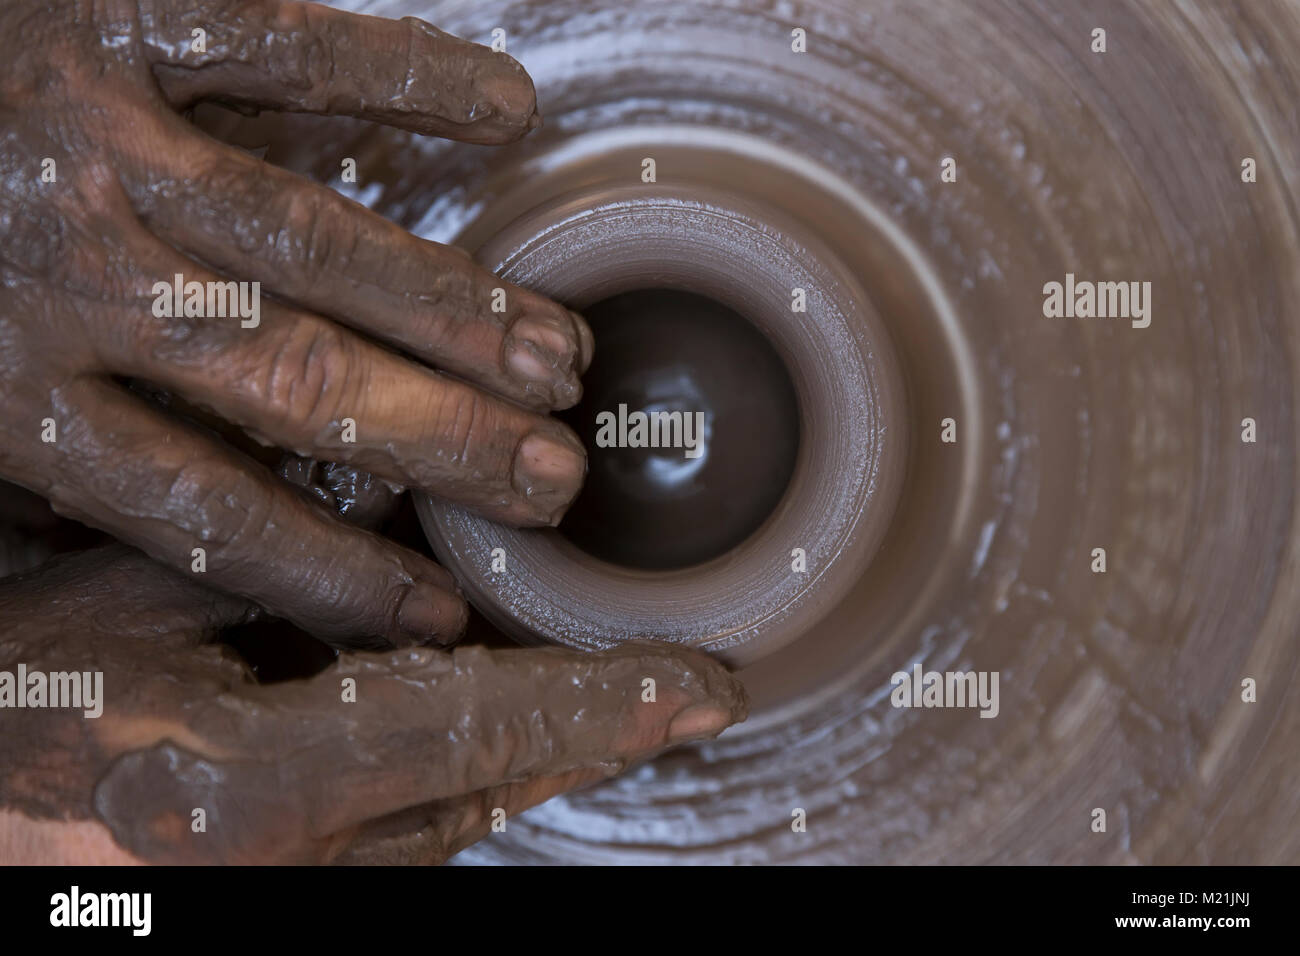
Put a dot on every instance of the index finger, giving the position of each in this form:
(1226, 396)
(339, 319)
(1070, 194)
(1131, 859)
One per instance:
(305, 57)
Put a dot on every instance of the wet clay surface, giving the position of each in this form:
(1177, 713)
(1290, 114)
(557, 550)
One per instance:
(666, 352)
(1119, 690)
(776, 585)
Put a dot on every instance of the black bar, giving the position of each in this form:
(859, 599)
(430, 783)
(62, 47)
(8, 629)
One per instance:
(212, 906)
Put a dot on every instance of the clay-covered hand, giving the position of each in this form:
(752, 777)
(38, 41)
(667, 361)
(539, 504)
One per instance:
(400, 756)
(106, 192)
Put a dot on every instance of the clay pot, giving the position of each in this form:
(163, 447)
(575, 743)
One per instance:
(748, 601)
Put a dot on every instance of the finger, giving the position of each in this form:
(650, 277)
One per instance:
(421, 726)
(516, 714)
(329, 254)
(305, 57)
(157, 484)
(305, 384)
(431, 834)
(64, 598)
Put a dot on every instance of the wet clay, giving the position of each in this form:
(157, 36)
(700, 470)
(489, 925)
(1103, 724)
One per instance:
(664, 352)
(1120, 690)
(778, 582)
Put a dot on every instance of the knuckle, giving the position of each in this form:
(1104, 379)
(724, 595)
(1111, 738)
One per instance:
(317, 67)
(204, 499)
(230, 515)
(287, 220)
(465, 432)
(33, 240)
(55, 231)
(306, 383)
(300, 236)
(312, 239)
(449, 296)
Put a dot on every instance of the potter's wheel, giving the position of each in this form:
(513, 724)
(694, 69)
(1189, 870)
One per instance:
(1119, 690)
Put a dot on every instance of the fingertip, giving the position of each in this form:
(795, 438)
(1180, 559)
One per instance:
(547, 472)
(565, 395)
(506, 101)
(512, 96)
(720, 700)
(705, 678)
(699, 722)
(430, 615)
(545, 351)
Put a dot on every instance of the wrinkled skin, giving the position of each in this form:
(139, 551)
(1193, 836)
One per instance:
(141, 196)
(410, 772)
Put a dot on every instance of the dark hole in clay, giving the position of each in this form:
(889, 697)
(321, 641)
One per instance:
(667, 351)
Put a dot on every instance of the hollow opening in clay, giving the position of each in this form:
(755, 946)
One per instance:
(691, 425)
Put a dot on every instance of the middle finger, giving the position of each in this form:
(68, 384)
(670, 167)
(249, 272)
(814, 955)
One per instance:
(305, 384)
(310, 245)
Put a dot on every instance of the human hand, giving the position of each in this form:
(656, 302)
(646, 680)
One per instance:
(138, 196)
(411, 769)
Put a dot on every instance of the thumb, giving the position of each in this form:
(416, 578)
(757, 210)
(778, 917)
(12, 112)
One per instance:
(423, 725)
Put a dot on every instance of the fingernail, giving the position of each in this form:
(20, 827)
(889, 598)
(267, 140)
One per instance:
(546, 336)
(547, 472)
(537, 354)
(540, 382)
(586, 344)
(511, 96)
(698, 721)
(431, 615)
(524, 364)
